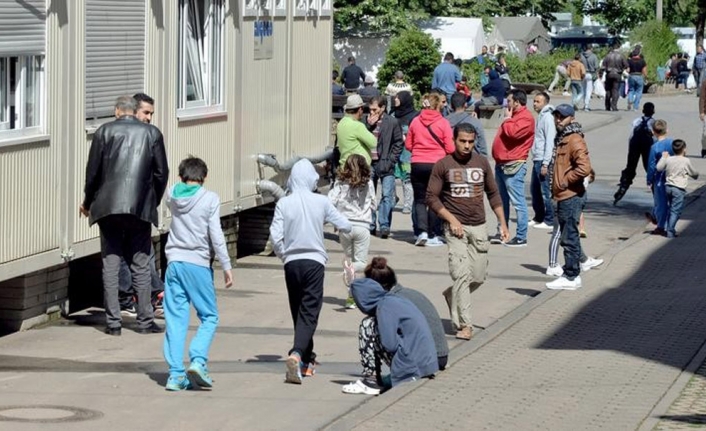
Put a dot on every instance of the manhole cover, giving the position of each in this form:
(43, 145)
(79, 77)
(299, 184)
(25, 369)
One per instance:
(46, 414)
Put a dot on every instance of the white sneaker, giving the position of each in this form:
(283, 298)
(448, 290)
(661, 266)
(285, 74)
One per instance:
(566, 94)
(591, 263)
(422, 239)
(543, 225)
(531, 223)
(555, 271)
(359, 387)
(435, 242)
(563, 283)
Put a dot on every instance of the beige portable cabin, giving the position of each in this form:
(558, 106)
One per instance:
(233, 80)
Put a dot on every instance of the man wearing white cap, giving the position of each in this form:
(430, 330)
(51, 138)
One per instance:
(352, 137)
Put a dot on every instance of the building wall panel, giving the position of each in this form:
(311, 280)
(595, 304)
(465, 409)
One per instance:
(311, 90)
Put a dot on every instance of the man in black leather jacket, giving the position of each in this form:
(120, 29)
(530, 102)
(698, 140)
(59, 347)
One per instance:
(613, 66)
(126, 176)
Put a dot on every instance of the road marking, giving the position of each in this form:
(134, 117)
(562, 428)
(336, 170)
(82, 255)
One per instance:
(4, 379)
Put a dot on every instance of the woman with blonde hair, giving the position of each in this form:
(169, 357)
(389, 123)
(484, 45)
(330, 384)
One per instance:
(429, 139)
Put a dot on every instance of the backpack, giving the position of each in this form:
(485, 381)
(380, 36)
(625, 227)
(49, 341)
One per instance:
(641, 134)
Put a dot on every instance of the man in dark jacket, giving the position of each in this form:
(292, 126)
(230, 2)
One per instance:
(590, 62)
(126, 176)
(352, 75)
(571, 165)
(613, 66)
(384, 158)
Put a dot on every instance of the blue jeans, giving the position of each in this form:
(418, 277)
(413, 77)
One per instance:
(636, 83)
(512, 190)
(675, 197)
(383, 215)
(661, 210)
(568, 213)
(541, 195)
(576, 92)
(187, 283)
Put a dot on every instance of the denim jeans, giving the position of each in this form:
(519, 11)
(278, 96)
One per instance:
(636, 83)
(675, 197)
(512, 190)
(383, 215)
(661, 209)
(568, 213)
(587, 90)
(576, 92)
(541, 195)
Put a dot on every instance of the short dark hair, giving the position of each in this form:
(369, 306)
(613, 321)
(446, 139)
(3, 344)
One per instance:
(378, 270)
(577, 56)
(465, 128)
(142, 97)
(458, 100)
(381, 101)
(334, 75)
(678, 146)
(545, 95)
(448, 57)
(193, 169)
(351, 59)
(519, 96)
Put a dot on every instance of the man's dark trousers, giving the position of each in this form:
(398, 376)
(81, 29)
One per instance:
(612, 87)
(305, 287)
(126, 237)
(568, 212)
(635, 151)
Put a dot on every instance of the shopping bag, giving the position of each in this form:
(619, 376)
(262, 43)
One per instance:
(691, 82)
(599, 88)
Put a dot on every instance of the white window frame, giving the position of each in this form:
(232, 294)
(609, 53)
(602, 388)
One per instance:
(212, 101)
(18, 98)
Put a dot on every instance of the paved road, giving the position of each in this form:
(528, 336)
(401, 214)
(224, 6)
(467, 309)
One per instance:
(71, 363)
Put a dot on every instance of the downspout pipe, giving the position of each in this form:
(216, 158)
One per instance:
(271, 187)
(271, 160)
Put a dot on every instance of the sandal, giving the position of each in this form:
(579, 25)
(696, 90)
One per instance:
(358, 387)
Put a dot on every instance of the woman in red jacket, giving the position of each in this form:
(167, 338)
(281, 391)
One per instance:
(429, 139)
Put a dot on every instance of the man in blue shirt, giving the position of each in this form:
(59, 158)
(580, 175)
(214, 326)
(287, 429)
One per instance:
(698, 69)
(446, 75)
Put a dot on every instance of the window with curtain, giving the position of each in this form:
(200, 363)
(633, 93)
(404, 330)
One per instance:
(201, 54)
(21, 90)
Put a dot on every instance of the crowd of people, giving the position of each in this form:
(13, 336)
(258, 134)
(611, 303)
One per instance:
(440, 155)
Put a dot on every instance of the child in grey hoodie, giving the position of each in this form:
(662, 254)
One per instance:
(297, 232)
(195, 228)
(353, 195)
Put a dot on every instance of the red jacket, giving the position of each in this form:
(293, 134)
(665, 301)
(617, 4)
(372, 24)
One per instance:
(515, 136)
(422, 145)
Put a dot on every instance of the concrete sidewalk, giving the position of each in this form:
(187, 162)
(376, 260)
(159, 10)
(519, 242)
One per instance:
(598, 358)
(72, 364)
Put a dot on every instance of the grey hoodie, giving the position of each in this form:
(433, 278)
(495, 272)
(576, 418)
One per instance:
(297, 228)
(195, 229)
(590, 62)
(456, 118)
(544, 134)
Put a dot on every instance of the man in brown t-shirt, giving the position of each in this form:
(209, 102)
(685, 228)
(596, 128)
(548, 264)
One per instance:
(455, 193)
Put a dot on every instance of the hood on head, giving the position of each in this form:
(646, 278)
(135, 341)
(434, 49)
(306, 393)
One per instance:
(406, 100)
(493, 74)
(303, 177)
(367, 293)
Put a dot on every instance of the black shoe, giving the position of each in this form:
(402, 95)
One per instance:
(116, 332)
(373, 232)
(619, 194)
(153, 328)
(384, 233)
(516, 242)
(495, 239)
(703, 154)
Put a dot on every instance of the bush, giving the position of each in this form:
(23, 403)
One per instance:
(416, 54)
(658, 41)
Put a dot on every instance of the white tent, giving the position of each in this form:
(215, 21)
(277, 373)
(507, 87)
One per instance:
(464, 37)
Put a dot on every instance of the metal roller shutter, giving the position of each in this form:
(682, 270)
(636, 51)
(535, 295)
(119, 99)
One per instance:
(115, 53)
(22, 27)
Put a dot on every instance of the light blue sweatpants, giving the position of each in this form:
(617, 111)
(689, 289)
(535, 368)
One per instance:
(187, 283)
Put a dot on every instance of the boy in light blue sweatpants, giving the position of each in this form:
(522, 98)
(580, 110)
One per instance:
(196, 226)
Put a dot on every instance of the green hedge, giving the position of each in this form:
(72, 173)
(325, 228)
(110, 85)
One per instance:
(658, 41)
(416, 54)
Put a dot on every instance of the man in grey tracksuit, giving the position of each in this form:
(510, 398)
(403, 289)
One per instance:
(542, 149)
(590, 62)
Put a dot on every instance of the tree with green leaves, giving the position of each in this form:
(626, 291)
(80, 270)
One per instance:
(416, 54)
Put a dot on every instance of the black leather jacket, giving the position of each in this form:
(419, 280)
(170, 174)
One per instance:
(127, 170)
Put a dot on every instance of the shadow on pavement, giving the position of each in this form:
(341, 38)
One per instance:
(657, 311)
(698, 419)
(525, 292)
